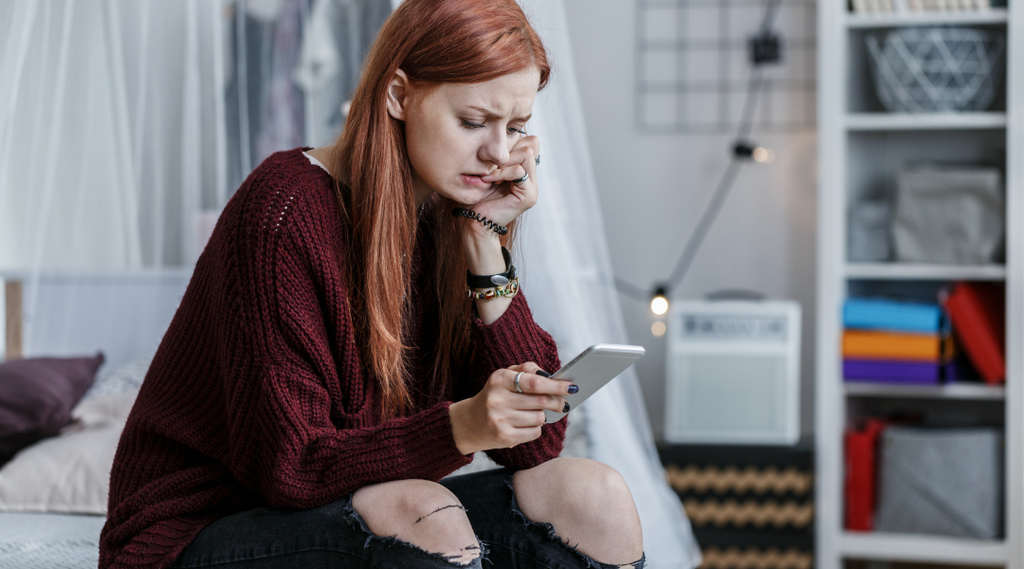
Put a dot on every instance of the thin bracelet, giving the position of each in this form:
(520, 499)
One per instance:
(463, 212)
(507, 291)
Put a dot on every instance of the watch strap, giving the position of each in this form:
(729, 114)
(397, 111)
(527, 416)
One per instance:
(491, 281)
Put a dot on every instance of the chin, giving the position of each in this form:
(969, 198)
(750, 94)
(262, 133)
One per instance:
(464, 196)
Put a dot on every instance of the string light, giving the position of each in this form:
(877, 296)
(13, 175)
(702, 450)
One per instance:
(658, 329)
(763, 155)
(659, 302)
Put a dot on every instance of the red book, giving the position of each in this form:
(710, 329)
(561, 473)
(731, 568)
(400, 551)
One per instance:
(860, 489)
(978, 314)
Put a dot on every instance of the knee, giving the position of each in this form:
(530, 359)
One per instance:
(402, 507)
(584, 492)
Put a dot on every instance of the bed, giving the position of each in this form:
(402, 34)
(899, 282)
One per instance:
(53, 492)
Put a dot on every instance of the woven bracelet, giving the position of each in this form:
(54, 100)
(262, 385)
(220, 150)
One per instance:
(463, 212)
(507, 291)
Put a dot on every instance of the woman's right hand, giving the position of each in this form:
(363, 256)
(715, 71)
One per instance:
(501, 417)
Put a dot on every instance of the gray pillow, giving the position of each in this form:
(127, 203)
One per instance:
(37, 395)
(125, 378)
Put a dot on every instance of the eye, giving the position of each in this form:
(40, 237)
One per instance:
(514, 130)
(470, 124)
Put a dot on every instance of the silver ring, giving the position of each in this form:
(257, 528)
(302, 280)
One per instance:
(525, 177)
(518, 375)
(536, 161)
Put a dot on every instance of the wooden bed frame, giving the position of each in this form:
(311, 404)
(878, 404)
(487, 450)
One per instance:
(12, 320)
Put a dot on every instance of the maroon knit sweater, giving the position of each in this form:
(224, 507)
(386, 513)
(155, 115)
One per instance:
(257, 397)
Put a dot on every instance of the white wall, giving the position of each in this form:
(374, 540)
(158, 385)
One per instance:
(654, 188)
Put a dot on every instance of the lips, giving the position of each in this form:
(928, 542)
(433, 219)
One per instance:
(474, 180)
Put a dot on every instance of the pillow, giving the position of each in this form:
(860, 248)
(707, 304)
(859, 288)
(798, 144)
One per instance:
(37, 395)
(69, 473)
(126, 378)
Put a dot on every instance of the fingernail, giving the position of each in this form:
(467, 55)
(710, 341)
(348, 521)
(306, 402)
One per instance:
(565, 408)
(543, 373)
(574, 388)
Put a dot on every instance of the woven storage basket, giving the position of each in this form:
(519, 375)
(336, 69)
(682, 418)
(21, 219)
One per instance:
(936, 69)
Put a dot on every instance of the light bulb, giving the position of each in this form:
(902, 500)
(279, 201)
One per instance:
(658, 329)
(659, 302)
(763, 155)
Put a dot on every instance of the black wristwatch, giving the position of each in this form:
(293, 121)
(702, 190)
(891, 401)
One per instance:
(490, 281)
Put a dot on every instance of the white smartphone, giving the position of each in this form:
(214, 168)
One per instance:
(592, 369)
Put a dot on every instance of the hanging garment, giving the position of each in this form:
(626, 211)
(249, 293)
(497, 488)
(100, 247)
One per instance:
(338, 35)
(264, 109)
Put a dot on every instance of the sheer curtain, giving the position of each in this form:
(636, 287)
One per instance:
(567, 275)
(125, 125)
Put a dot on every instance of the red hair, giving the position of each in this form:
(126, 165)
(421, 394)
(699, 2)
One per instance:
(432, 41)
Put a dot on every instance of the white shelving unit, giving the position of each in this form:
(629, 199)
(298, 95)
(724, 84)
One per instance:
(862, 147)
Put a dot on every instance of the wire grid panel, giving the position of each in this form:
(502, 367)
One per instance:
(693, 68)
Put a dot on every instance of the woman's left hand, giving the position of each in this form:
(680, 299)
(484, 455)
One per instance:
(507, 200)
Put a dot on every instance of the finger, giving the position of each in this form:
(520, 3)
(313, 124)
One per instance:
(540, 385)
(522, 160)
(527, 434)
(506, 174)
(538, 402)
(526, 419)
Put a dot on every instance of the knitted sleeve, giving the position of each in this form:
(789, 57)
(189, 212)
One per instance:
(303, 423)
(512, 339)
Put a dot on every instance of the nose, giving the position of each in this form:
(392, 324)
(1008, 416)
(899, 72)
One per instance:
(495, 149)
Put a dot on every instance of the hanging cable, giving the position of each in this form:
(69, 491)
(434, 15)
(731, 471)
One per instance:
(765, 48)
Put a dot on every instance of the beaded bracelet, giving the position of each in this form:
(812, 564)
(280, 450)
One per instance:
(507, 291)
(463, 212)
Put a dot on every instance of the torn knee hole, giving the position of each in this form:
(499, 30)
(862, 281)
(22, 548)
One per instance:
(456, 506)
(463, 556)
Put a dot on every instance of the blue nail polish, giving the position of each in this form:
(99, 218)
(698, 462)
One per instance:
(543, 373)
(565, 408)
(574, 388)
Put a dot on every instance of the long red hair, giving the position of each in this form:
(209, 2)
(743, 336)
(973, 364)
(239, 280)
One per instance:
(432, 41)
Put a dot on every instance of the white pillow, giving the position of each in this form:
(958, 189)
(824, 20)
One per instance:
(69, 473)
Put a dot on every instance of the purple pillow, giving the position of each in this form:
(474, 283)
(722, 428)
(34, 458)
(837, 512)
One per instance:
(37, 395)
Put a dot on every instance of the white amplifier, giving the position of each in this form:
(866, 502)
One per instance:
(733, 372)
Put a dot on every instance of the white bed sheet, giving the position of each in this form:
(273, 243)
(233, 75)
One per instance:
(49, 541)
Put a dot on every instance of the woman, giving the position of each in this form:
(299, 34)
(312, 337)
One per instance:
(346, 342)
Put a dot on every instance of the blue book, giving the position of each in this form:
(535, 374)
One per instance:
(875, 314)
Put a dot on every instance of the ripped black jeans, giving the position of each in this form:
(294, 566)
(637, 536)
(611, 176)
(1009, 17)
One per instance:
(335, 535)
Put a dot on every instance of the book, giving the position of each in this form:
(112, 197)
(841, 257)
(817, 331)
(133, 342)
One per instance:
(977, 312)
(878, 314)
(898, 372)
(860, 448)
(874, 345)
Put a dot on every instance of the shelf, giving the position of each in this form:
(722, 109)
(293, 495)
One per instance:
(921, 548)
(956, 390)
(925, 121)
(996, 16)
(923, 271)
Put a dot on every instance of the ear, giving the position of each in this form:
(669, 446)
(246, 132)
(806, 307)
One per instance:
(398, 95)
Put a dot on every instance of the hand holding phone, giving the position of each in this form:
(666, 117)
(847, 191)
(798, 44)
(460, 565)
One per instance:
(592, 369)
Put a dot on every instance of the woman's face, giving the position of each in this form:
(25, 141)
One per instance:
(457, 133)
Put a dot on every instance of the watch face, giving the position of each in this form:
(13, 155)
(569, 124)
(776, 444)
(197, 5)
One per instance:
(499, 280)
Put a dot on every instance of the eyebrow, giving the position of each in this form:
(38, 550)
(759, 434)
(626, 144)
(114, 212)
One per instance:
(493, 115)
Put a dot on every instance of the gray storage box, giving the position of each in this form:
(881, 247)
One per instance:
(941, 481)
(949, 214)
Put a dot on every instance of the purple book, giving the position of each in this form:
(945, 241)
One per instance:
(886, 371)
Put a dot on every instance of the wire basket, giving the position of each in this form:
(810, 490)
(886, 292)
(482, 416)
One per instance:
(922, 70)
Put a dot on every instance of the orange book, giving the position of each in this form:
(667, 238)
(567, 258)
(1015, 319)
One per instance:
(870, 345)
